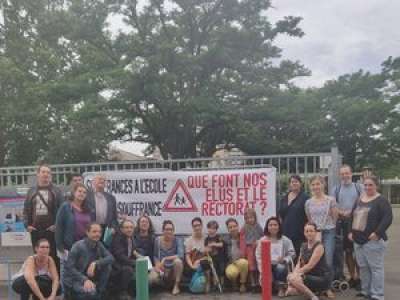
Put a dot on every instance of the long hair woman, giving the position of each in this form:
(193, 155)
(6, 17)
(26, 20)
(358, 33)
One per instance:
(292, 213)
(372, 216)
(72, 219)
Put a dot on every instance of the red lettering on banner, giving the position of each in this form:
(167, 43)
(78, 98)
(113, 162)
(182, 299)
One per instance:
(219, 194)
(197, 182)
(242, 194)
(231, 194)
(213, 209)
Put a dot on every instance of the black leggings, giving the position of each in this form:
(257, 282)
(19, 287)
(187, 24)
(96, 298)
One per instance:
(20, 286)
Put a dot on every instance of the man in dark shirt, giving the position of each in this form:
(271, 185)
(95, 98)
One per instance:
(123, 270)
(40, 209)
(88, 267)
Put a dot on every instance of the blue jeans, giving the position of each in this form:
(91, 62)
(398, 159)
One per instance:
(279, 273)
(62, 272)
(328, 240)
(370, 259)
(101, 279)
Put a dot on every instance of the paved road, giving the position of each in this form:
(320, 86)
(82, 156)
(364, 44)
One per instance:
(392, 276)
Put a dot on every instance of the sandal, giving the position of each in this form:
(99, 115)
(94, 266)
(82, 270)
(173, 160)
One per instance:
(329, 294)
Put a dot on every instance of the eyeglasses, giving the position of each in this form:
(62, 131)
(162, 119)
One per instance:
(44, 247)
(196, 225)
(168, 229)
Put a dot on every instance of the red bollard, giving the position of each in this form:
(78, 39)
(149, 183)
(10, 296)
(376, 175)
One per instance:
(266, 283)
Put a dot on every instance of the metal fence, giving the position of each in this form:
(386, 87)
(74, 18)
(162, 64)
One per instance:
(305, 164)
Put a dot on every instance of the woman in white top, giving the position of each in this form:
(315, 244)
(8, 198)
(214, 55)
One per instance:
(38, 276)
(195, 251)
(321, 210)
(282, 253)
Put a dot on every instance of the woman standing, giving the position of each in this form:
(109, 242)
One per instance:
(38, 276)
(72, 220)
(292, 212)
(282, 253)
(321, 210)
(168, 256)
(311, 272)
(372, 216)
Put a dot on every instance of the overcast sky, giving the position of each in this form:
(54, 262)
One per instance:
(341, 36)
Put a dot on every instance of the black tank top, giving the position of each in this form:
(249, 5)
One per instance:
(321, 268)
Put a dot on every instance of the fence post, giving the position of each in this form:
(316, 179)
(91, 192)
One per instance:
(142, 279)
(266, 270)
(333, 171)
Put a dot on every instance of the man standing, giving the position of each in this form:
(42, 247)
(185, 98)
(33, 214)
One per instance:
(74, 179)
(40, 209)
(103, 205)
(346, 194)
(88, 267)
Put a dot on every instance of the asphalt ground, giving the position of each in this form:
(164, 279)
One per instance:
(392, 277)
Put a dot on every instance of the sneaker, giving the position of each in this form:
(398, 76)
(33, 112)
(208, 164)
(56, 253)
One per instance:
(176, 290)
(361, 295)
(242, 288)
(357, 284)
(125, 296)
(281, 293)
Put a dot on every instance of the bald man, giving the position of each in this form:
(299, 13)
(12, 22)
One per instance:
(103, 205)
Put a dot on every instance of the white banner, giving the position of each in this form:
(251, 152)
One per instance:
(182, 195)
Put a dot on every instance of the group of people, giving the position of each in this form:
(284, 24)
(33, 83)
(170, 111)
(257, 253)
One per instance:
(311, 237)
(349, 225)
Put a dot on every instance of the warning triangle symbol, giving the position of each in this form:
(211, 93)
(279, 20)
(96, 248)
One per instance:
(180, 199)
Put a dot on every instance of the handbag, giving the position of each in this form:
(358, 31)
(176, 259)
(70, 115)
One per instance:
(107, 238)
(198, 282)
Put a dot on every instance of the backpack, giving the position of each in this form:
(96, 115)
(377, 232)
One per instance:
(337, 190)
(198, 282)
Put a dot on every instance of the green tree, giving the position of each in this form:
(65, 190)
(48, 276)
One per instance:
(52, 78)
(190, 67)
(289, 122)
(357, 115)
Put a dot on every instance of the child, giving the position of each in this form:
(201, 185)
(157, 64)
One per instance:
(249, 234)
(215, 248)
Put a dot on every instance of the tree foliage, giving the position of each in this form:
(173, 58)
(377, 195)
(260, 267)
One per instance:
(50, 79)
(190, 68)
(181, 75)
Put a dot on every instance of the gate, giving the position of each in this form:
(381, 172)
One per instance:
(304, 164)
